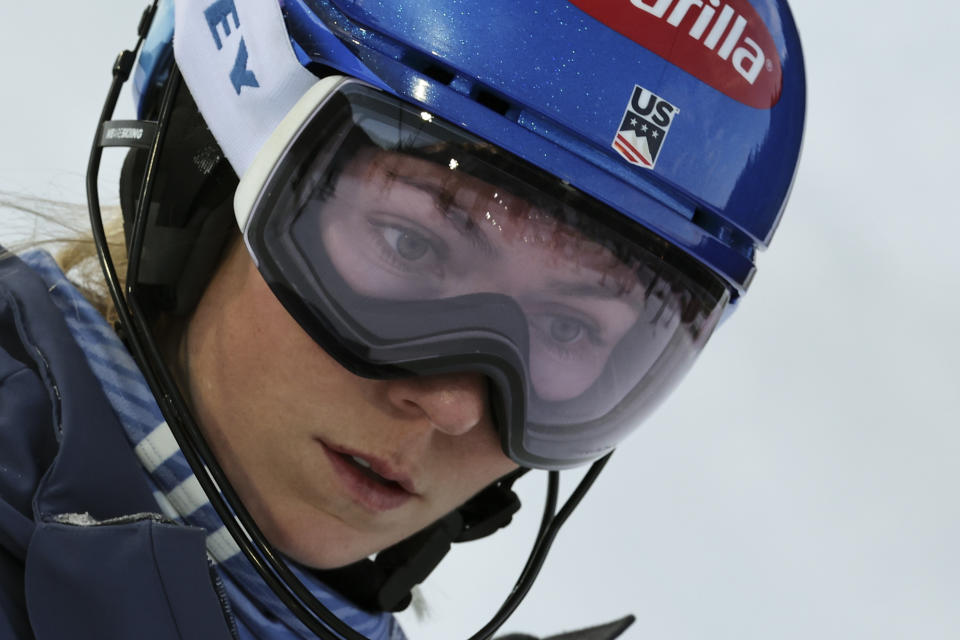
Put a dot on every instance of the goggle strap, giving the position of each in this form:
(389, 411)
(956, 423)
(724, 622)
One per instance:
(139, 134)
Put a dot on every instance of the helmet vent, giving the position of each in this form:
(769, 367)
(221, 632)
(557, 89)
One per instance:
(448, 77)
(723, 231)
(438, 73)
(491, 101)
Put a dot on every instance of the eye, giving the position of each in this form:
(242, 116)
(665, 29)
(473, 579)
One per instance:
(409, 245)
(565, 330)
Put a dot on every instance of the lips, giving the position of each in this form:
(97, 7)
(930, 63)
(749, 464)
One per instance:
(370, 481)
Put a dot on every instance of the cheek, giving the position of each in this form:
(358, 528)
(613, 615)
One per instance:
(347, 245)
(470, 462)
(245, 358)
(271, 347)
(555, 380)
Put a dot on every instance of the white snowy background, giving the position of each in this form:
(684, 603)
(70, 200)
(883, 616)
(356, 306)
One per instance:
(803, 481)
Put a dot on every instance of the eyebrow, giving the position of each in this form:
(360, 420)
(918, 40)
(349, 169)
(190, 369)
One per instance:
(595, 290)
(459, 219)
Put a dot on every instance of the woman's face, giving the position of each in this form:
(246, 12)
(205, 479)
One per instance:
(285, 421)
(335, 467)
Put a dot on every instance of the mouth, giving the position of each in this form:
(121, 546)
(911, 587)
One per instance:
(370, 481)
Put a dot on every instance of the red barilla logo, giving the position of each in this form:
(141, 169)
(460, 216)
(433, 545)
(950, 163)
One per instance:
(724, 43)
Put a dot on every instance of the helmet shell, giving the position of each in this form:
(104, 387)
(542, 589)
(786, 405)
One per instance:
(566, 72)
(552, 81)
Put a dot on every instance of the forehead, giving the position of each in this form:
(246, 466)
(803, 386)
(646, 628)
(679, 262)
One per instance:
(506, 211)
(443, 170)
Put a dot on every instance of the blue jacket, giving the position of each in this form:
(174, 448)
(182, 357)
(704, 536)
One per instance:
(63, 451)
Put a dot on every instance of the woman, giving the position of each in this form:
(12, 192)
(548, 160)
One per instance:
(458, 249)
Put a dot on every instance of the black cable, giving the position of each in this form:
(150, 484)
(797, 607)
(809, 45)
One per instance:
(121, 72)
(541, 548)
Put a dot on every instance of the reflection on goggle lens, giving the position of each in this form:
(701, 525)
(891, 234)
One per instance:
(398, 234)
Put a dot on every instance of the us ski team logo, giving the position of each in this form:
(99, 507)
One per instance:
(645, 125)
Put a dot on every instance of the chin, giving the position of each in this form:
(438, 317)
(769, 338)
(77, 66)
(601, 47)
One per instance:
(324, 544)
(325, 556)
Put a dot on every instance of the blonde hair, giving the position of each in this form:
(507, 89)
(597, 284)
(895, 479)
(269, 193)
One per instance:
(63, 229)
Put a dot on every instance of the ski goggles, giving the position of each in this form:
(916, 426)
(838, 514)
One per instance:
(406, 246)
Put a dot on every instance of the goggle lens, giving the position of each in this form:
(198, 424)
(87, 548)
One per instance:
(406, 246)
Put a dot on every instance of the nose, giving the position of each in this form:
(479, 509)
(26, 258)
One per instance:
(453, 403)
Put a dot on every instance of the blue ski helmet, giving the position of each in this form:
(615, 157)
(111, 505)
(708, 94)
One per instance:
(684, 115)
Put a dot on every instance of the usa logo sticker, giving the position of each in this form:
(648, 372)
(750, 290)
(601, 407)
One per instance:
(646, 123)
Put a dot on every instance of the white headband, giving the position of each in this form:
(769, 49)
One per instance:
(237, 61)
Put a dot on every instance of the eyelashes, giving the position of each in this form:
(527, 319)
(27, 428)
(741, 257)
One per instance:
(407, 249)
(408, 245)
(566, 336)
